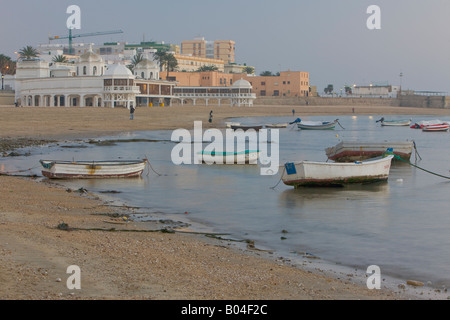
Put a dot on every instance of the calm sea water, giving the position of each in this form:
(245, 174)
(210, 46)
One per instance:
(402, 225)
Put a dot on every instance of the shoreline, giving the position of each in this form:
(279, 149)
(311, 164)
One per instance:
(28, 220)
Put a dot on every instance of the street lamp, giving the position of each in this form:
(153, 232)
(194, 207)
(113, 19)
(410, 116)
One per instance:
(2, 81)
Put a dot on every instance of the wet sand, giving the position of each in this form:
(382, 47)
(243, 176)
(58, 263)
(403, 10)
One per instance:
(123, 260)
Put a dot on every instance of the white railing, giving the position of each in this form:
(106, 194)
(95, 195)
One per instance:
(133, 89)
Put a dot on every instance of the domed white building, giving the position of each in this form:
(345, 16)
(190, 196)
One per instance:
(147, 69)
(89, 82)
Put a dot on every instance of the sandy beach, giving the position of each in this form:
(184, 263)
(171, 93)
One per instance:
(46, 228)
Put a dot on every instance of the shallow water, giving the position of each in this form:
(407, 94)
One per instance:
(401, 225)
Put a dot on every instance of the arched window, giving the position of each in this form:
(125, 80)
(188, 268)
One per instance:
(94, 71)
(142, 75)
(151, 75)
(84, 70)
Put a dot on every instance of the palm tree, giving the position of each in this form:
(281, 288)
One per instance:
(171, 63)
(60, 58)
(166, 59)
(28, 52)
(207, 68)
(135, 61)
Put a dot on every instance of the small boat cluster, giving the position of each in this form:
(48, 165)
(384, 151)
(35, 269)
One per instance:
(426, 125)
(348, 162)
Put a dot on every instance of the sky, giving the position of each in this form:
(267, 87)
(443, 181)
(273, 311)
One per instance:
(327, 38)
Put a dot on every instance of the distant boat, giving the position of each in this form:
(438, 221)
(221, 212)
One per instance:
(347, 151)
(425, 123)
(229, 124)
(276, 125)
(246, 127)
(324, 174)
(92, 169)
(402, 122)
(317, 125)
(436, 127)
(221, 157)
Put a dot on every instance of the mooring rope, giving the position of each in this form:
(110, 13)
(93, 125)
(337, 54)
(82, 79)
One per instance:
(416, 166)
(281, 178)
(150, 166)
(18, 171)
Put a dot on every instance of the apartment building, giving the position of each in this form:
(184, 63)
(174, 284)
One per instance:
(218, 49)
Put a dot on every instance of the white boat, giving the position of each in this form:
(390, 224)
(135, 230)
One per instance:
(347, 151)
(436, 127)
(221, 157)
(310, 173)
(92, 169)
(317, 125)
(395, 123)
(426, 123)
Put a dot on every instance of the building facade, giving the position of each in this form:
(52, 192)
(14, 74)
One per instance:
(287, 84)
(218, 49)
(89, 82)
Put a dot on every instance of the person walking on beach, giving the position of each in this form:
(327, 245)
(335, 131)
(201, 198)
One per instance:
(131, 112)
(210, 116)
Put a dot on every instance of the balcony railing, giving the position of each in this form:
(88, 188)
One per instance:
(122, 89)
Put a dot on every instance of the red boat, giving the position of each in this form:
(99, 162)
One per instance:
(436, 127)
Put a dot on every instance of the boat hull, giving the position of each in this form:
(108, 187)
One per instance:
(245, 128)
(396, 123)
(247, 157)
(91, 170)
(323, 174)
(317, 126)
(436, 128)
(347, 151)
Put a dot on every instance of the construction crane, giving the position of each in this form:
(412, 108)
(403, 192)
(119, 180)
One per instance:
(71, 36)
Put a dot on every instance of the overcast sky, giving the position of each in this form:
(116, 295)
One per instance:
(328, 38)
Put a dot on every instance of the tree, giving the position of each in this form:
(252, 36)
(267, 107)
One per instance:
(7, 66)
(28, 52)
(166, 60)
(135, 61)
(329, 89)
(266, 74)
(60, 58)
(248, 70)
(207, 68)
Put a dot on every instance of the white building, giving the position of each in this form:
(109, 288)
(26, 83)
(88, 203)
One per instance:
(376, 91)
(89, 82)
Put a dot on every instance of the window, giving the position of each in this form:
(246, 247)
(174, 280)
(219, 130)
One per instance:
(94, 71)
(263, 93)
(276, 93)
(84, 70)
(263, 83)
(284, 82)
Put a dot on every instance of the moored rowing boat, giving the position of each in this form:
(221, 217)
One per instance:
(310, 173)
(92, 169)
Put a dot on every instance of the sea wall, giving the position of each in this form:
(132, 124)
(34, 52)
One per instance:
(320, 101)
(439, 102)
(7, 98)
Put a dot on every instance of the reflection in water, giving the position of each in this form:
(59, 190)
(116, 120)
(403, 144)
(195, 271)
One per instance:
(316, 197)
